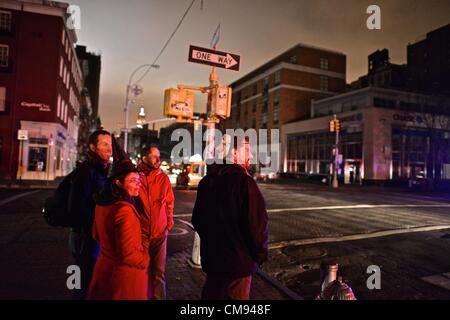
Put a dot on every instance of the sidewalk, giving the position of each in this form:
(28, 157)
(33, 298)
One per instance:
(185, 283)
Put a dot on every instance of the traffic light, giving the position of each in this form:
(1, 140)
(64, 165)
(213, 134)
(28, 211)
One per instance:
(338, 125)
(331, 125)
(220, 102)
(178, 103)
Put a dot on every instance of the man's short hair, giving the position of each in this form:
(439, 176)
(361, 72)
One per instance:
(146, 150)
(93, 138)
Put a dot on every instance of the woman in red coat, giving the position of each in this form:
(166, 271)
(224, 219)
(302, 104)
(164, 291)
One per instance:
(121, 270)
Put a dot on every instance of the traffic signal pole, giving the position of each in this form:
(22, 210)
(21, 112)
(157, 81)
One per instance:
(336, 152)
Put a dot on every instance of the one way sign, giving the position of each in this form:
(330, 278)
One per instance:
(214, 58)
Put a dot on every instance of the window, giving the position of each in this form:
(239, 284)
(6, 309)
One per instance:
(5, 21)
(2, 99)
(277, 77)
(276, 115)
(323, 83)
(59, 106)
(265, 105)
(67, 79)
(293, 59)
(63, 41)
(255, 88)
(65, 113)
(384, 103)
(4, 55)
(37, 159)
(266, 85)
(323, 63)
(276, 98)
(254, 106)
(264, 120)
(64, 74)
(61, 67)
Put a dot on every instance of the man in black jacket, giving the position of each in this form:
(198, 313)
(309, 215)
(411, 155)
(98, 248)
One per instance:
(89, 178)
(231, 219)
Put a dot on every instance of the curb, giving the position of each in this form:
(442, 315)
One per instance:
(279, 286)
(26, 187)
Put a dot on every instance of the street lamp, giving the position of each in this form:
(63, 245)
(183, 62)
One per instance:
(137, 91)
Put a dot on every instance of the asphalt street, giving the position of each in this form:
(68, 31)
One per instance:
(405, 234)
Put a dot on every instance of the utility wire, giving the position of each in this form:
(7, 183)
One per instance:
(167, 43)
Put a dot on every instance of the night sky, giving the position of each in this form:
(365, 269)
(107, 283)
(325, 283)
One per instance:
(129, 33)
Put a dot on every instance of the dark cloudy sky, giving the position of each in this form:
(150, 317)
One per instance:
(129, 33)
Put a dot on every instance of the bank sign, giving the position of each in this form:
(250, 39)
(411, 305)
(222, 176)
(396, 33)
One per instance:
(407, 118)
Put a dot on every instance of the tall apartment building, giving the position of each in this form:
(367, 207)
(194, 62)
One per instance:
(429, 62)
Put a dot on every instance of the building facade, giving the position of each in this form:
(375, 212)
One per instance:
(385, 135)
(40, 86)
(90, 64)
(281, 90)
(429, 62)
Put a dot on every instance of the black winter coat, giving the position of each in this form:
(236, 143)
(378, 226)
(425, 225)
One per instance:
(231, 219)
(89, 178)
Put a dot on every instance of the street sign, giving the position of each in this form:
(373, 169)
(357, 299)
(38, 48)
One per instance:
(214, 58)
(22, 135)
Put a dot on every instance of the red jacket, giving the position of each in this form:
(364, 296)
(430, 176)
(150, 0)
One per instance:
(121, 270)
(156, 202)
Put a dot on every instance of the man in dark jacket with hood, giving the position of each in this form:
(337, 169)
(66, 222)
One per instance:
(88, 179)
(231, 219)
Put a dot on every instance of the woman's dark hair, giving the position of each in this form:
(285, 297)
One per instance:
(93, 138)
(119, 193)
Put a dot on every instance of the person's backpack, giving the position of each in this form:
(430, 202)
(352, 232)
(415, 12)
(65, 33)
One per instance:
(56, 208)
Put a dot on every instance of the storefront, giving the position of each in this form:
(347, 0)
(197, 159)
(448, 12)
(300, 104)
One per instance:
(378, 140)
(49, 151)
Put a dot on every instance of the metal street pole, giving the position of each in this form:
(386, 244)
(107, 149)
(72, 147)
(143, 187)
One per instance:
(136, 93)
(336, 155)
(127, 102)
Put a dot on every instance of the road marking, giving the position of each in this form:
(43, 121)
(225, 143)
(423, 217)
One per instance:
(362, 206)
(282, 244)
(182, 215)
(181, 232)
(356, 206)
(187, 223)
(13, 198)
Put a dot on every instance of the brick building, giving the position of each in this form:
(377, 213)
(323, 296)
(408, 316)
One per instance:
(40, 85)
(281, 90)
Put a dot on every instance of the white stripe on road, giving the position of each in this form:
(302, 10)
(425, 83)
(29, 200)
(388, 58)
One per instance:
(282, 244)
(356, 206)
(362, 206)
(13, 198)
(181, 215)
(187, 223)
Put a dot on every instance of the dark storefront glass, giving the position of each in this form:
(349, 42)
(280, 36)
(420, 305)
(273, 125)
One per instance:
(37, 159)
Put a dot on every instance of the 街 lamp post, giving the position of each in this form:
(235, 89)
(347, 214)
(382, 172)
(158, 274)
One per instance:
(136, 91)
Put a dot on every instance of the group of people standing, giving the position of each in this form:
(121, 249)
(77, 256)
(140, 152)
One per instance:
(122, 215)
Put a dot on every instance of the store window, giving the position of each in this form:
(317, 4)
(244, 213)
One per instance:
(37, 159)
